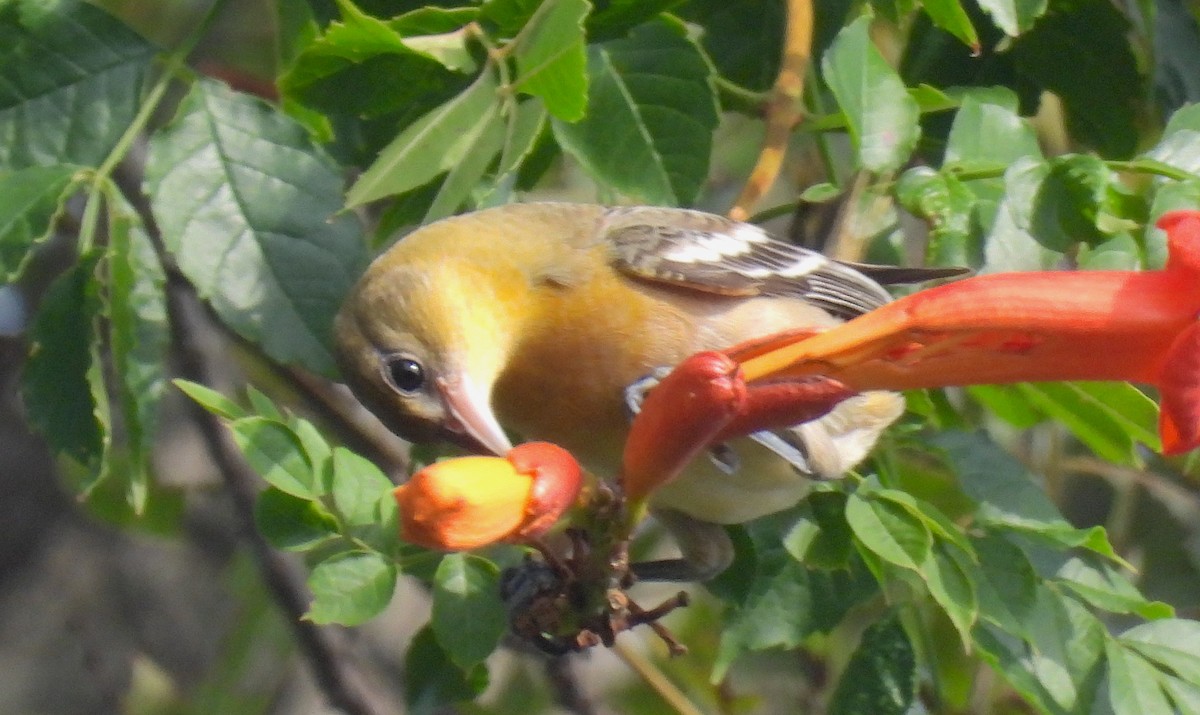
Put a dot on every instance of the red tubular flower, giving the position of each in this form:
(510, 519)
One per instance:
(470, 502)
(1017, 327)
(704, 401)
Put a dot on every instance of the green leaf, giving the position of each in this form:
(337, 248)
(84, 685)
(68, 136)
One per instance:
(1097, 582)
(1007, 403)
(351, 588)
(750, 55)
(430, 146)
(1058, 665)
(291, 523)
(551, 60)
(1006, 584)
(1001, 486)
(1133, 687)
(948, 205)
(58, 384)
(1110, 418)
(431, 679)
(1069, 201)
(1010, 244)
(1172, 643)
(30, 202)
(650, 95)
(367, 68)
(613, 18)
(882, 115)
(74, 79)
(950, 16)
(357, 487)
(1014, 16)
(889, 530)
(210, 399)
(249, 208)
(820, 536)
(138, 340)
(1100, 85)
(881, 677)
(276, 453)
(468, 616)
(522, 129)
(777, 602)
(1178, 145)
(952, 588)
(486, 142)
(987, 132)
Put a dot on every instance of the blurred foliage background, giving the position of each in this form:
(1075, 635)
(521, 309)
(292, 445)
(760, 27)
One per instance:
(143, 149)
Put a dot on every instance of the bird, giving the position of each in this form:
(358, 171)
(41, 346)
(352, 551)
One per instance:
(532, 319)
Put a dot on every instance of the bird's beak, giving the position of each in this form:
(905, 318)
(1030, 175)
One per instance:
(470, 414)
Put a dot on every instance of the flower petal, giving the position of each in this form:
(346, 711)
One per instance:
(557, 480)
(1179, 420)
(464, 503)
(680, 417)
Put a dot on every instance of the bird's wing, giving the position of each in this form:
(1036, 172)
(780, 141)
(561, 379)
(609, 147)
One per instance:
(716, 255)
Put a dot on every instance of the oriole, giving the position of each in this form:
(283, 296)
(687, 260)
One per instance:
(534, 318)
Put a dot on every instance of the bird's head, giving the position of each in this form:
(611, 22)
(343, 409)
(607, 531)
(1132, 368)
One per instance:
(417, 347)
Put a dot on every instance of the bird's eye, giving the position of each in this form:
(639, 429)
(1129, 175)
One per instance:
(405, 373)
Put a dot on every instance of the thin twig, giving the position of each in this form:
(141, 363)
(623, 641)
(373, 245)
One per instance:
(655, 678)
(782, 109)
(326, 649)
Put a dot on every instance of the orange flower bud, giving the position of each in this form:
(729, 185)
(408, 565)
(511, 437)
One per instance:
(470, 502)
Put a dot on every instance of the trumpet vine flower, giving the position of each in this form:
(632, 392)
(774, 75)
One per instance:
(470, 502)
(1138, 326)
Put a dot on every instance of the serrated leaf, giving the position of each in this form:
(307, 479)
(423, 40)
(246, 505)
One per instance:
(30, 201)
(58, 392)
(430, 146)
(889, 530)
(1133, 684)
(367, 68)
(468, 616)
(882, 115)
(881, 677)
(777, 602)
(1110, 418)
(1172, 642)
(551, 60)
(249, 208)
(138, 340)
(351, 588)
(1099, 584)
(650, 95)
(1057, 665)
(614, 17)
(357, 487)
(60, 59)
(291, 523)
(210, 399)
(276, 453)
